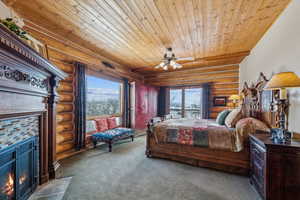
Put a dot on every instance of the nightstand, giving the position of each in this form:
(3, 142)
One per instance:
(275, 168)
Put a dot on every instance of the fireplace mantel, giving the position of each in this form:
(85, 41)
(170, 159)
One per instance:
(28, 85)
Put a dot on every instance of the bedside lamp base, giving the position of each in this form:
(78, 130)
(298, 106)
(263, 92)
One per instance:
(280, 136)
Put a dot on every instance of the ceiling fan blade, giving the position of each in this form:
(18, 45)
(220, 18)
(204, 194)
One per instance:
(186, 58)
(161, 65)
(177, 66)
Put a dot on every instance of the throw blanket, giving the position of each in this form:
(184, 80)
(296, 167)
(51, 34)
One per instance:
(201, 133)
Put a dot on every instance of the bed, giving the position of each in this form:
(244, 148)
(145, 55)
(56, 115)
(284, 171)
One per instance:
(205, 143)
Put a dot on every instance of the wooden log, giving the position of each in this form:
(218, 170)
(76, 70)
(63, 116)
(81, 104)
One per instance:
(65, 87)
(64, 117)
(64, 127)
(64, 107)
(66, 146)
(65, 97)
(67, 136)
(192, 82)
(68, 68)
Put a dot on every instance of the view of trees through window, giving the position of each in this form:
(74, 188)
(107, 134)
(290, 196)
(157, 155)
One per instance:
(186, 103)
(103, 97)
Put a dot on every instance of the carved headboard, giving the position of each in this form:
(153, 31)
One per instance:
(259, 103)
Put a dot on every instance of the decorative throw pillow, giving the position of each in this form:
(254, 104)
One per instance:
(101, 124)
(250, 125)
(233, 117)
(112, 123)
(90, 127)
(222, 116)
(118, 121)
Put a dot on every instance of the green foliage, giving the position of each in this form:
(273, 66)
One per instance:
(11, 25)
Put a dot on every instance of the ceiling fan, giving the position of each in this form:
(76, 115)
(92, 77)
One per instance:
(170, 60)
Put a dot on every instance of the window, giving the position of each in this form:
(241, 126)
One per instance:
(176, 103)
(186, 102)
(103, 97)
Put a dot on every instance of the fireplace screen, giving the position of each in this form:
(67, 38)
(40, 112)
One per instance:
(18, 158)
(7, 183)
(19, 170)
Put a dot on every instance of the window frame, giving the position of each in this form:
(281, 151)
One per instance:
(121, 99)
(183, 88)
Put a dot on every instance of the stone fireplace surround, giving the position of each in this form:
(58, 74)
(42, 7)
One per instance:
(28, 91)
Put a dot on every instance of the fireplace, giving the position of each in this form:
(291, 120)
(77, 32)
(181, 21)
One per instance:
(19, 150)
(28, 94)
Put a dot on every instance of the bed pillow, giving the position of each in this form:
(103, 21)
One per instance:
(101, 124)
(112, 123)
(250, 125)
(233, 117)
(222, 116)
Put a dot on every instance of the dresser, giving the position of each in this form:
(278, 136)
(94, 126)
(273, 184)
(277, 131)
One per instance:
(275, 168)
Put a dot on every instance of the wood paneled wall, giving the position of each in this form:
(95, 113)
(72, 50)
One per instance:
(224, 80)
(63, 53)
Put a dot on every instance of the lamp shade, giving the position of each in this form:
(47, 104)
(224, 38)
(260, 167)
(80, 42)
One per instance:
(283, 80)
(234, 97)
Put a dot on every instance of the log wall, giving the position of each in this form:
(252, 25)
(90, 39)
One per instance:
(224, 80)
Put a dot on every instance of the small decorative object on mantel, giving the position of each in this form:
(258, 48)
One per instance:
(281, 81)
(12, 26)
(234, 99)
(220, 101)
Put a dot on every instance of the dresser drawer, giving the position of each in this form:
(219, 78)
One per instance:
(258, 159)
(257, 152)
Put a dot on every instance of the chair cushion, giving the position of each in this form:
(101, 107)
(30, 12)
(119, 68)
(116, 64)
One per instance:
(222, 116)
(101, 124)
(113, 133)
(233, 117)
(112, 123)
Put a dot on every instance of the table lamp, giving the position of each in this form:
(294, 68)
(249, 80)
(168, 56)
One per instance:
(235, 99)
(282, 81)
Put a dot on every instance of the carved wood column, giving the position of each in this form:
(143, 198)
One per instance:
(44, 172)
(52, 101)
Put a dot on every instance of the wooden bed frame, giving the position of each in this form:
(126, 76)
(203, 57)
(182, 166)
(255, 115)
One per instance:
(256, 103)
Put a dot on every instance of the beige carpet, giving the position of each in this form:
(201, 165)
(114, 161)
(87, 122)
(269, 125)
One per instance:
(127, 174)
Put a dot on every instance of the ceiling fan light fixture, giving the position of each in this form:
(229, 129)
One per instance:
(170, 59)
(162, 64)
(178, 66)
(172, 63)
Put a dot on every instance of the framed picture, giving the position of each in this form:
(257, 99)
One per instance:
(220, 101)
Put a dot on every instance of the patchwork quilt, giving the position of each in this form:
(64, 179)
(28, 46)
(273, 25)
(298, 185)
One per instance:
(201, 133)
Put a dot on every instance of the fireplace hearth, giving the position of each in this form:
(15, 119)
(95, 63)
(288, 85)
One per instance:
(19, 152)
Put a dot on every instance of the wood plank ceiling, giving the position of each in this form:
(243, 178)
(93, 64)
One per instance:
(135, 33)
